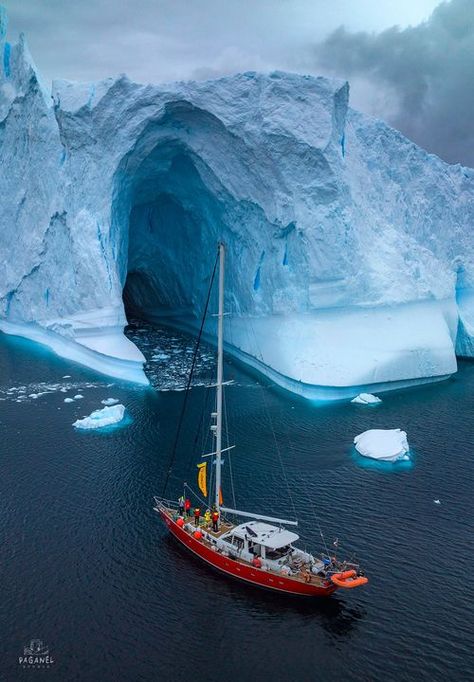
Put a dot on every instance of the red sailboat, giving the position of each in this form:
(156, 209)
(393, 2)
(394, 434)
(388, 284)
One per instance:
(260, 550)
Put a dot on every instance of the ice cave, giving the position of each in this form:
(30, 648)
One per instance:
(350, 261)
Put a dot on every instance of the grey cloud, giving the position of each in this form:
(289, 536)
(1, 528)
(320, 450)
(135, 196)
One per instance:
(160, 40)
(426, 70)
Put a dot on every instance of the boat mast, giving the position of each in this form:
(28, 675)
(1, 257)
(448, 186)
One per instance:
(220, 372)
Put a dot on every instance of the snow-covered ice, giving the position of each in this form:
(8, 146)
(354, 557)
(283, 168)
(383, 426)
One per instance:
(387, 445)
(109, 401)
(98, 419)
(366, 399)
(347, 272)
(78, 396)
(68, 400)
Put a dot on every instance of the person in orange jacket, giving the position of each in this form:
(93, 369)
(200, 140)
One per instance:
(187, 507)
(197, 514)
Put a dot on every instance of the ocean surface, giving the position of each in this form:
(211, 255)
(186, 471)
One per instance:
(88, 568)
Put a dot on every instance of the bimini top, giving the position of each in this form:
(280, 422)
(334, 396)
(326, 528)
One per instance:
(264, 534)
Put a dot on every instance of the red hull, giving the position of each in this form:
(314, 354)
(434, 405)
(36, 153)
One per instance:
(244, 572)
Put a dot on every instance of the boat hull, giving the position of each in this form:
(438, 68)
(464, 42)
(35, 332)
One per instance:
(241, 571)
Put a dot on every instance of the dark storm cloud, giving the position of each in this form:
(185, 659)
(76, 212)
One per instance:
(160, 40)
(425, 73)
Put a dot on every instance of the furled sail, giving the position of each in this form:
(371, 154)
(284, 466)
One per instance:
(202, 478)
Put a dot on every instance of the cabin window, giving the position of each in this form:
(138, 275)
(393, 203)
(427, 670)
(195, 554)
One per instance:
(275, 554)
(254, 548)
(235, 541)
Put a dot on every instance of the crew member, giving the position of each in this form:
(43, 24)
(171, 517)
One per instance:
(187, 506)
(215, 520)
(181, 506)
(197, 514)
(207, 518)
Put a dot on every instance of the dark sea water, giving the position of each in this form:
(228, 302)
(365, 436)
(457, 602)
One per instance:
(87, 567)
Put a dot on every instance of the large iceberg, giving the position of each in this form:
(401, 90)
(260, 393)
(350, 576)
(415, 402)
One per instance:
(350, 253)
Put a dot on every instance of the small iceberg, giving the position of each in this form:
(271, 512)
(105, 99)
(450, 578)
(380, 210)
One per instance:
(107, 416)
(366, 399)
(78, 397)
(109, 401)
(68, 400)
(385, 445)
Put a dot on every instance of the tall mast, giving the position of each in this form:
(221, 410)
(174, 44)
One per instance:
(220, 371)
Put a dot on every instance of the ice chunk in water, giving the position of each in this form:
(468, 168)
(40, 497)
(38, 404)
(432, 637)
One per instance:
(386, 445)
(366, 399)
(107, 416)
(109, 401)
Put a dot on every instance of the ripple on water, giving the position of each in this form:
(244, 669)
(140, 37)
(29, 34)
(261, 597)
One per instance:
(89, 568)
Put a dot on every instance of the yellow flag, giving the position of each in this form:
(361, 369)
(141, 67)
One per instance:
(202, 478)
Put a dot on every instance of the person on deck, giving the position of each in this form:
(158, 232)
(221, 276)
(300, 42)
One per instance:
(215, 520)
(181, 506)
(187, 506)
(197, 514)
(207, 518)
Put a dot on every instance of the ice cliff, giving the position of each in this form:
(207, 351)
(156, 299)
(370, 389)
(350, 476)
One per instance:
(350, 252)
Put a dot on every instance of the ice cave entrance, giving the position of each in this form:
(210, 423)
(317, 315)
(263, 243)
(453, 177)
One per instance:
(174, 223)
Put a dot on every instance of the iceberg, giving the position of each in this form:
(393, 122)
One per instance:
(98, 419)
(109, 401)
(366, 399)
(386, 445)
(350, 262)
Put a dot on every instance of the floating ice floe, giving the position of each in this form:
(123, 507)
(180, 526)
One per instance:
(437, 501)
(107, 416)
(366, 399)
(160, 356)
(67, 376)
(78, 397)
(109, 401)
(68, 400)
(386, 445)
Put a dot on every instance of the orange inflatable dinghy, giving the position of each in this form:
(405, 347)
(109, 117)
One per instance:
(348, 579)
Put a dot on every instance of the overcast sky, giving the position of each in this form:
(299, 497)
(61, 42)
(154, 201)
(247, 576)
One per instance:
(418, 76)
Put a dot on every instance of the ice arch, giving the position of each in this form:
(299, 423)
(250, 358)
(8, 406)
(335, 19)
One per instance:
(343, 259)
(175, 209)
(174, 200)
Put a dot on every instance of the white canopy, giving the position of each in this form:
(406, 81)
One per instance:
(264, 534)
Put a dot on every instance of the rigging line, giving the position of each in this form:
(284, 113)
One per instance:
(200, 430)
(310, 505)
(267, 411)
(202, 500)
(229, 457)
(188, 386)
